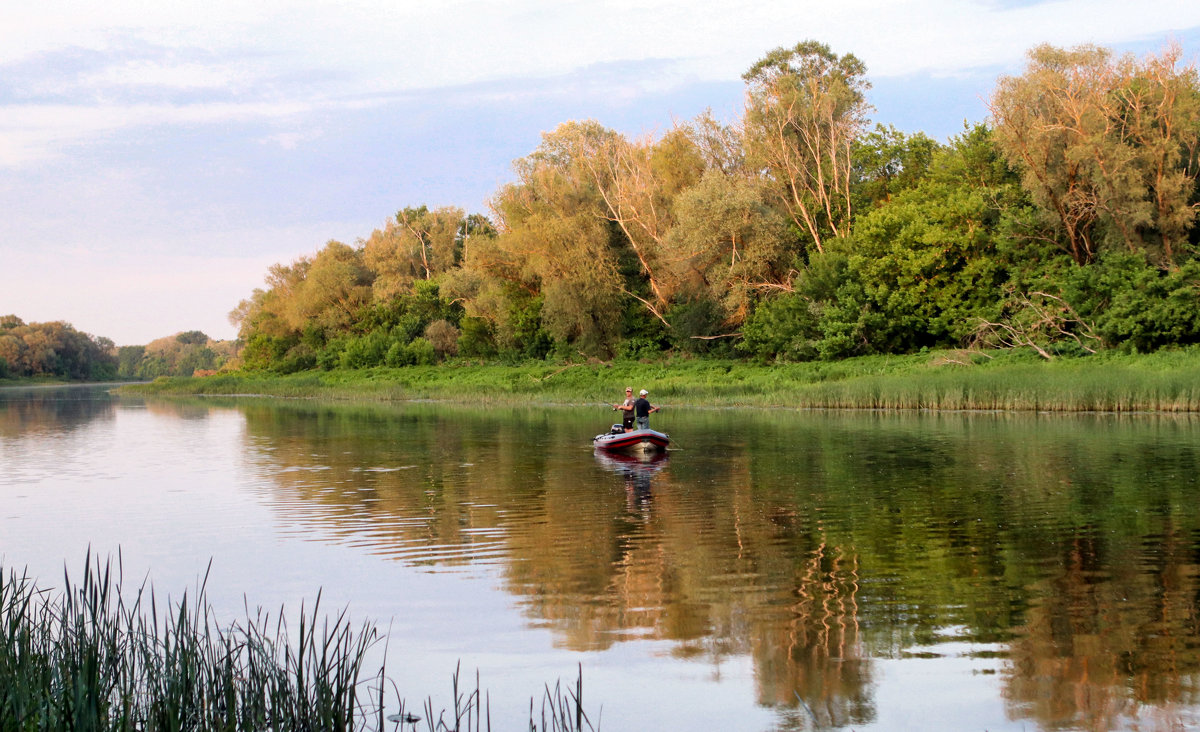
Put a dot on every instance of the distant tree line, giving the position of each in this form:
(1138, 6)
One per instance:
(53, 350)
(801, 231)
(182, 354)
(57, 350)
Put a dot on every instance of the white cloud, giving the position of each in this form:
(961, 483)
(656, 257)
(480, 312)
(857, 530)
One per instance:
(31, 133)
(406, 44)
(183, 76)
(292, 140)
(273, 60)
(285, 73)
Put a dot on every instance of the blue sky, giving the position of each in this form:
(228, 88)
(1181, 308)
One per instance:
(156, 158)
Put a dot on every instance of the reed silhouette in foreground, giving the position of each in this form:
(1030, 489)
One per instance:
(90, 657)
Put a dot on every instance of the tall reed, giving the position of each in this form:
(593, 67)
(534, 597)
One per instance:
(1114, 382)
(86, 658)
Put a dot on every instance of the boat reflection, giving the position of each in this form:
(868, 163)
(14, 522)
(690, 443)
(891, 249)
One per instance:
(646, 464)
(637, 469)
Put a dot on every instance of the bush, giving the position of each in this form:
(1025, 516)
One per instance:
(783, 327)
(475, 339)
(300, 357)
(444, 337)
(691, 324)
(1136, 306)
(364, 351)
(420, 352)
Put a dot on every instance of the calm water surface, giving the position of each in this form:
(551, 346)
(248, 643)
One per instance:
(781, 570)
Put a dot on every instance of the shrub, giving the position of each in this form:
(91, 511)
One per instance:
(783, 327)
(475, 339)
(444, 337)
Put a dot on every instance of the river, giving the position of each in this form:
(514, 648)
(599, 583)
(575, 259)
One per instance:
(776, 569)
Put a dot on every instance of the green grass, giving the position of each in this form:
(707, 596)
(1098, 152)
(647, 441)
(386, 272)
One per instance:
(93, 657)
(944, 380)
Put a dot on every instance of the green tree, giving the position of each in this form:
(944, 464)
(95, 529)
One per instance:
(192, 337)
(805, 108)
(55, 349)
(418, 244)
(921, 269)
(1135, 305)
(783, 327)
(730, 245)
(556, 241)
(335, 289)
(887, 161)
(1108, 148)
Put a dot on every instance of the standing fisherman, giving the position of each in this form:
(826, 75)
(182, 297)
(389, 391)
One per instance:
(642, 410)
(626, 408)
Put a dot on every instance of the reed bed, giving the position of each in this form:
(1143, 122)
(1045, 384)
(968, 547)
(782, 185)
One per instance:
(87, 657)
(947, 380)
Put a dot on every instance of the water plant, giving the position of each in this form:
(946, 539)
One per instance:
(93, 657)
(947, 380)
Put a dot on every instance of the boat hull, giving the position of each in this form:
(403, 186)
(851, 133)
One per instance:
(632, 442)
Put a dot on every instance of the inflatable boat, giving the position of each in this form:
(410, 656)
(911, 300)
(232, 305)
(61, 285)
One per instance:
(618, 440)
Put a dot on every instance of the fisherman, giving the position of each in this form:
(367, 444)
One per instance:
(626, 408)
(642, 410)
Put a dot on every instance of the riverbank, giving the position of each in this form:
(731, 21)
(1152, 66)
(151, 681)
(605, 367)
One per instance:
(1167, 381)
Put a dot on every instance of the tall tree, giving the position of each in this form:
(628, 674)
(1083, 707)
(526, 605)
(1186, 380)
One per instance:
(639, 182)
(730, 245)
(416, 244)
(556, 241)
(265, 312)
(1108, 148)
(805, 106)
(336, 288)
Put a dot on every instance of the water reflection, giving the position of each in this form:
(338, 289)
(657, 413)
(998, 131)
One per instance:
(811, 544)
(1105, 638)
(1057, 557)
(51, 410)
(637, 472)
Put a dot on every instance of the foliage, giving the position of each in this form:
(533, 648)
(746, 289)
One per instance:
(806, 106)
(783, 328)
(936, 379)
(1109, 148)
(797, 232)
(95, 656)
(54, 350)
(887, 161)
(1135, 305)
(182, 354)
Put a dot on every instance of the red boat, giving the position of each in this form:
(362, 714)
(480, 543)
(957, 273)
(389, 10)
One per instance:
(618, 440)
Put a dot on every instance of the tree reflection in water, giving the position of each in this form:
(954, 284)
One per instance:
(1103, 644)
(809, 544)
(51, 410)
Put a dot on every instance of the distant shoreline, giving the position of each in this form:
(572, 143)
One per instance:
(1167, 381)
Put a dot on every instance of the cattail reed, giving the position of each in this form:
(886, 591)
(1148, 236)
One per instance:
(91, 657)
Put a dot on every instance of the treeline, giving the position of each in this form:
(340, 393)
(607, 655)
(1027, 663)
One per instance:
(53, 350)
(57, 350)
(799, 232)
(183, 354)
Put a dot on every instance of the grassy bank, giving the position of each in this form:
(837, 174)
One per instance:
(1166, 381)
(94, 656)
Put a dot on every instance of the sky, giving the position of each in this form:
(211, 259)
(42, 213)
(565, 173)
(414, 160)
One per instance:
(157, 157)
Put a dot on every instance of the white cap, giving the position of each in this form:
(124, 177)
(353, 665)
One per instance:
(643, 392)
